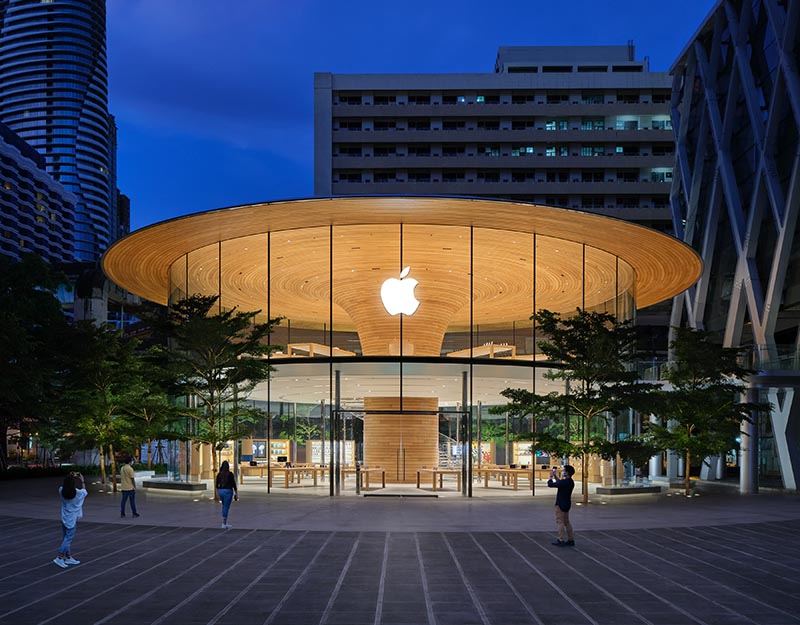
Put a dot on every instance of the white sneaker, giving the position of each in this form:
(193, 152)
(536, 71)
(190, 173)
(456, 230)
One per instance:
(61, 562)
(225, 526)
(71, 560)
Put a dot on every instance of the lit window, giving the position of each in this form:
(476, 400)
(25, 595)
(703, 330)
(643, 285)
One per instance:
(461, 99)
(550, 150)
(480, 99)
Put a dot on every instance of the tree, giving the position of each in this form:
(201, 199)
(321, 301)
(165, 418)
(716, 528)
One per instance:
(217, 359)
(104, 387)
(701, 412)
(592, 352)
(636, 450)
(154, 416)
(32, 331)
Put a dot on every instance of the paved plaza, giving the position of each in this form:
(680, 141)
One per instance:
(295, 559)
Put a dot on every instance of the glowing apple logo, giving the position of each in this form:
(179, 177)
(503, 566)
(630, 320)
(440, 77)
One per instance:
(398, 295)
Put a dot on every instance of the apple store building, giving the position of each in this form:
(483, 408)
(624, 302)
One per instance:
(402, 318)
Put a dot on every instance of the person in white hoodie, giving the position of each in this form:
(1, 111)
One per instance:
(71, 510)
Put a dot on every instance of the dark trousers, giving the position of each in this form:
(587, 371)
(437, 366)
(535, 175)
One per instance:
(128, 494)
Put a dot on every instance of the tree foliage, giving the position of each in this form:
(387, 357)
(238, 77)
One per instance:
(592, 353)
(701, 412)
(104, 388)
(213, 359)
(32, 332)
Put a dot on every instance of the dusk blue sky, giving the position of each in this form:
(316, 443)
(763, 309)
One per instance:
(214, 98)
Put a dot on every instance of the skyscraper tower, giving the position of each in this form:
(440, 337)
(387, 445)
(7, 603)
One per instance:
(54, 95)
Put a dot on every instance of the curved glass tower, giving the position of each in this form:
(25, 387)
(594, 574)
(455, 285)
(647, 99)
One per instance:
(54, 85)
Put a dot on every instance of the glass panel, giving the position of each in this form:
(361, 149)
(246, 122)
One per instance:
(364, 258)
(203, 270)
(626, 289)
(601, 281)
(559, 275)
(502, 294)
(373, 431)
(244, 275)
(299, 283)
(177, 280)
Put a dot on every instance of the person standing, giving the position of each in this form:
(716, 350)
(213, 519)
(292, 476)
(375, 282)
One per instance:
(128, 487)
(226, 490)
(71, 510)
(565, 485)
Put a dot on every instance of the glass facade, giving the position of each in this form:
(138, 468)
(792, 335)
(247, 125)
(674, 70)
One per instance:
(400, 384)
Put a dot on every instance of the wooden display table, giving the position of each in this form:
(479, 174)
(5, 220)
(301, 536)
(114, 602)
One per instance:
(364, 475)
(293, 475)
(507, 477)
(489, 350)
(315, 349)
(440, 473)
(246, 469)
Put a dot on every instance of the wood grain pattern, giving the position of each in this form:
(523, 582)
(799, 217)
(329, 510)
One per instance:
(383, 434)
(140, 262)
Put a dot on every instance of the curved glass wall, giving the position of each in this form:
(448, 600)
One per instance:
(403, 337)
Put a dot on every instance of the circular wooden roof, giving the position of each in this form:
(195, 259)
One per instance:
(140, 262)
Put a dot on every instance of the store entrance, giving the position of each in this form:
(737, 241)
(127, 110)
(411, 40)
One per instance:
(402, 445)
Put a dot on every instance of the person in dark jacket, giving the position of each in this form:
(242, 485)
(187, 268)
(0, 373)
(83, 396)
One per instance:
(226, 490)
(563, 504)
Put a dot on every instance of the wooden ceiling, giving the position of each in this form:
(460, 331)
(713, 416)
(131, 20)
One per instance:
(366, 251)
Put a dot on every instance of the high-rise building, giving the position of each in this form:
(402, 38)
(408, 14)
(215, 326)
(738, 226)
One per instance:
(736, 199)
(54, 86)
(36, 213)
(579, 127)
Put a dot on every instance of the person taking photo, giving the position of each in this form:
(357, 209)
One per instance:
(565, 485)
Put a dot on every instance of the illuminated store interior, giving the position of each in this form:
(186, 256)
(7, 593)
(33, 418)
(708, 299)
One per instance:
(403, 318)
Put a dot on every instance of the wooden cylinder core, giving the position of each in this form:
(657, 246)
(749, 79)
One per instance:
(401, 444)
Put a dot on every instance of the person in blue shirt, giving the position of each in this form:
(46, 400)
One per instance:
(71, 510)
(563, 504)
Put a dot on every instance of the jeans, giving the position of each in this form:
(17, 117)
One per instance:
(68, 534)
(128, 494)
(226, 496)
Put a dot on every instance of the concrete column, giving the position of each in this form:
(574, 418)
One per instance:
(786, 426)
(748, 459)
(672, 466)
(713, 468)
(655, 467)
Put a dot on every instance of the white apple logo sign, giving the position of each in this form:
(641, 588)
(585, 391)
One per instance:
(398, 295)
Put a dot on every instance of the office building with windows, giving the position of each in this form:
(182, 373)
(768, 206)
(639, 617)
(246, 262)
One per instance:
(586, 128)
(735, 198)
(54, 85)
(37, 212)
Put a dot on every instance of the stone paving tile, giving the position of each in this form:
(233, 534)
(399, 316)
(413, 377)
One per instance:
(731, 575)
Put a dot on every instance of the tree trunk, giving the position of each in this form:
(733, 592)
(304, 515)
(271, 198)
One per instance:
(102, 465)
(149, 454)
(585, 465)
(113, 467)
(686, 473)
